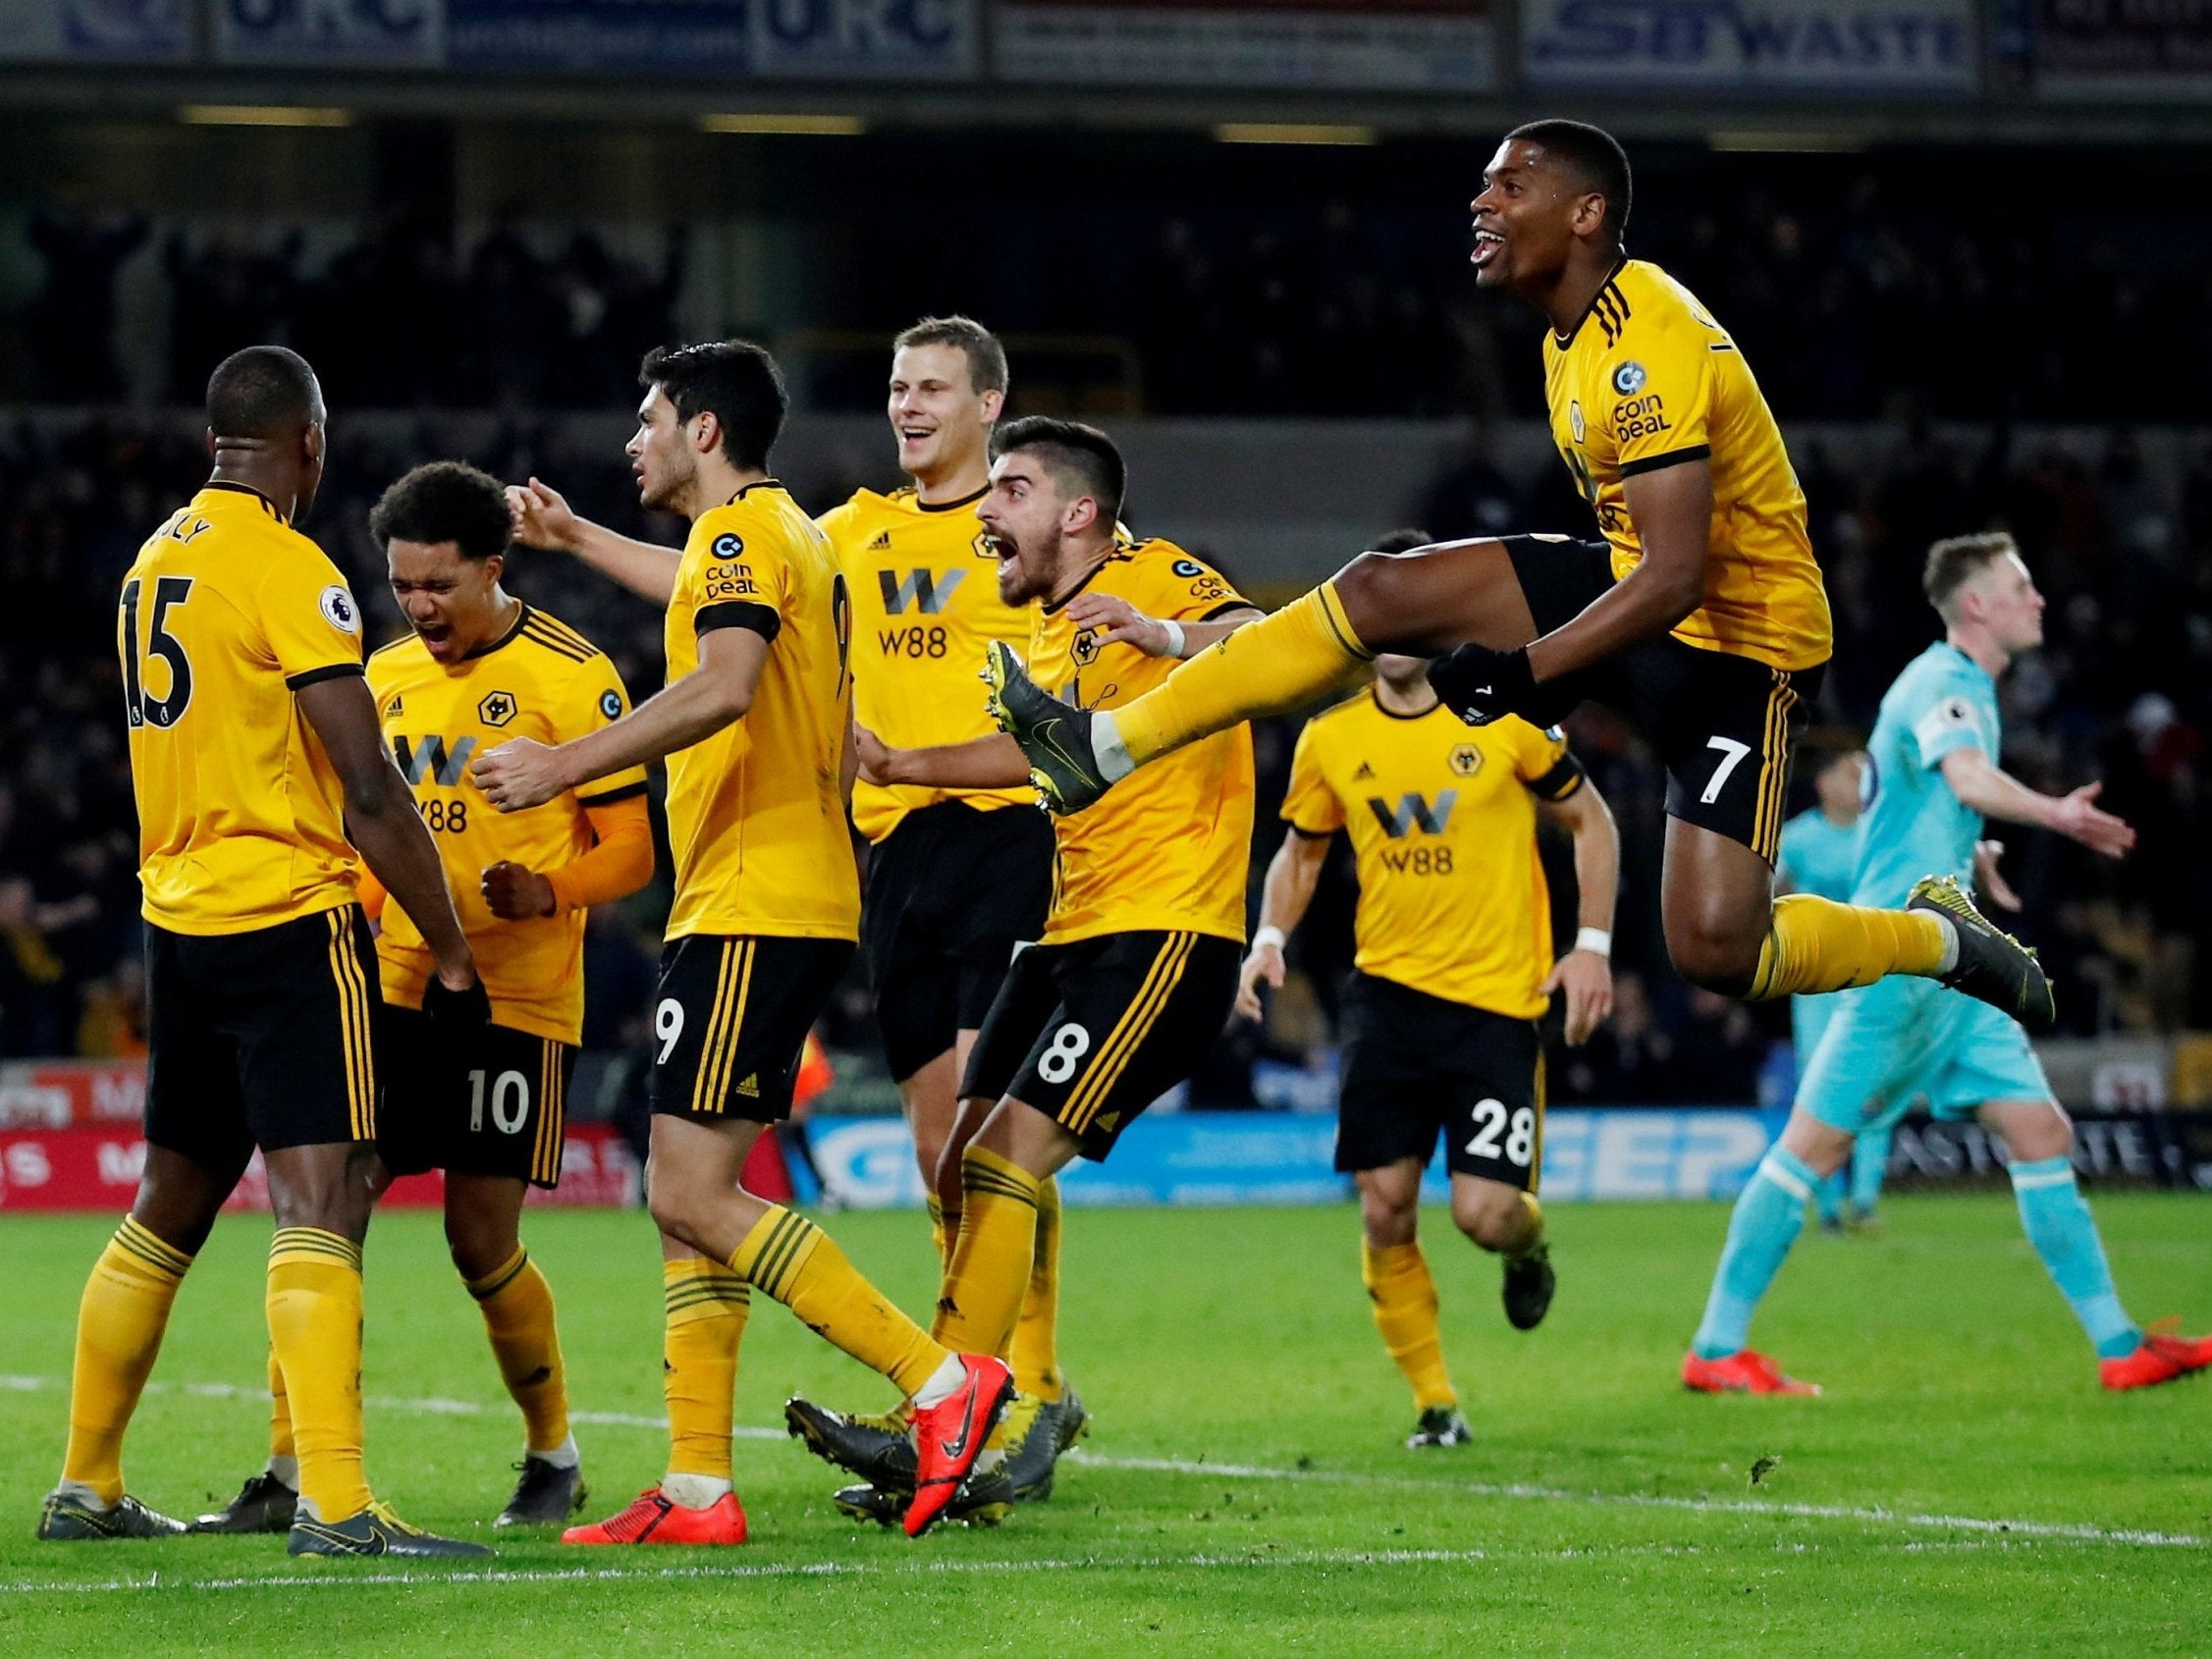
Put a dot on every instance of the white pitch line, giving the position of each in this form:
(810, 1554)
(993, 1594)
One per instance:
(2059, 1530)
(1205, 1561)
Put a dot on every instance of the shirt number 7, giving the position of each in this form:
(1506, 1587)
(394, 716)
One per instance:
(1732, 756)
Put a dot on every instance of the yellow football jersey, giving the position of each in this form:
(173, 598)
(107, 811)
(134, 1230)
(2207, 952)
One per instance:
(1648, 379)
(756, 812)
(226, 611)
(925, 603)
(1169, 845)
(543, 680)
(1443, 825)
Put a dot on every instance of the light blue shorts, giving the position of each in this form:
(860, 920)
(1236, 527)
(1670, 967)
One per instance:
(1903, 1040)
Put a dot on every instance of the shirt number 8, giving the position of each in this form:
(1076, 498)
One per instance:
(1069, 1044)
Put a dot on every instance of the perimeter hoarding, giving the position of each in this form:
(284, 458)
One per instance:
(1752, 46)
(1344, 46)
(85, 31)
(768, 39)
(2121, 50)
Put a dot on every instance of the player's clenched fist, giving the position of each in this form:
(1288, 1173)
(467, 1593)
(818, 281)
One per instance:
(541, 514)
(518, 775)
(518, 893)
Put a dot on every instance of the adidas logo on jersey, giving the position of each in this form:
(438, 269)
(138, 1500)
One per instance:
(392, 708)
(1365, 770)
(882, 540)
(749, 1086)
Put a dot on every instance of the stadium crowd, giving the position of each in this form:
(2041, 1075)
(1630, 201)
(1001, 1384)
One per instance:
(2121, 693)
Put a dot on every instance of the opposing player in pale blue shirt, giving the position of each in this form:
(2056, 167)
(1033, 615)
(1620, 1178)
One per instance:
(1932, 776)
(1819, 855)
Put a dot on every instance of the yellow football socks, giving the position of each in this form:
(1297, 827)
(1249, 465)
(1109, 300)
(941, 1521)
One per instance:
(1817, 945)
(996, 1256)
(120, 1319)
(1404, 1298)
(1034, 1354)
(517, 1308)
(280, 1414)
(1274, 666)
(791, 1259)
(706, 1306)
(314, 1304)
(945, 1227)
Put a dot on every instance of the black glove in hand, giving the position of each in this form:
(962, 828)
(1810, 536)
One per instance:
(457, 1010)
(1481, 685)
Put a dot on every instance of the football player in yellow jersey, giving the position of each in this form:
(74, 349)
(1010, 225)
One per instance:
(956, 883)
(1701, 615)
(254, 755)
(1136, 972)
(754, 724)
(1454, 966)
(478, 666)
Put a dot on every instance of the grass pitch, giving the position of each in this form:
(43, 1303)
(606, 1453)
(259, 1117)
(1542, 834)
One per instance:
(1964, 1488)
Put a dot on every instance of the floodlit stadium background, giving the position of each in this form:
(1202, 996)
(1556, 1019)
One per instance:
(1959, 242)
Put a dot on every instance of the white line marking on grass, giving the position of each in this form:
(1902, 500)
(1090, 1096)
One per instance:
(2062, 1530)
(331, 1575)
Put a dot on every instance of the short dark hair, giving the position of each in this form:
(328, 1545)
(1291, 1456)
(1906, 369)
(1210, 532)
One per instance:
(1075, 454)
(987, 358)
(1400, 541)
(1956, 562)
(1597, 158)
(444, 501)
(734, 381)
(263, 392)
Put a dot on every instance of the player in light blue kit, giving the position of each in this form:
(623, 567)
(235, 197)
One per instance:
(1819, 855)
(1933, 777)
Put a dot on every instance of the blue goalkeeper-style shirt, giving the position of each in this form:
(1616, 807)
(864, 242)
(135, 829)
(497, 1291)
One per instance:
(1912, 825)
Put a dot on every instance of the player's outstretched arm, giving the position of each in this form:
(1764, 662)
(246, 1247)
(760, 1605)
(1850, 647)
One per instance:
(982, 763)
(1672, 511)
(717, 693)
(381, 820)
(1995, 794)
(1292, 875)
(1585, 973)
(543, 518)
(1119, 622)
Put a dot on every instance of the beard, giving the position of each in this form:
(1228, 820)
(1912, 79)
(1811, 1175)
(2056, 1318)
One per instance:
(668, 494)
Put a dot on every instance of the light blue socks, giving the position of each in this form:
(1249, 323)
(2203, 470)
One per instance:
(2059, 1225)
(1768, 1217)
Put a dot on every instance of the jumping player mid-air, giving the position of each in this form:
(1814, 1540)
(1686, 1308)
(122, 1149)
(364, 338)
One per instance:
(1933, 761)
(1701, 615)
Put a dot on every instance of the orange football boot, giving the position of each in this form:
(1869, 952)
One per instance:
(1745, 1372)
(653, 1520)
(2160, 1356)
(949, 1437)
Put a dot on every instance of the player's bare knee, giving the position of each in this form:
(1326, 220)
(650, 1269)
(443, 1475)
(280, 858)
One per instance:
(323, 1187)
(1388, 1223)
(478, 1244)
(677, 1204)
(1715, 956)
(2032, 1131)
(1492, 1217)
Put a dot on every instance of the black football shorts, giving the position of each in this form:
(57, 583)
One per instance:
(730, 1020)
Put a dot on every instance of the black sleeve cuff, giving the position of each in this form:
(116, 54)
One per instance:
(1300, 830)
(737, 614)
(315, 677)
(1560, 782)
(629, 791)
(1673, 457)
(1228, 606)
